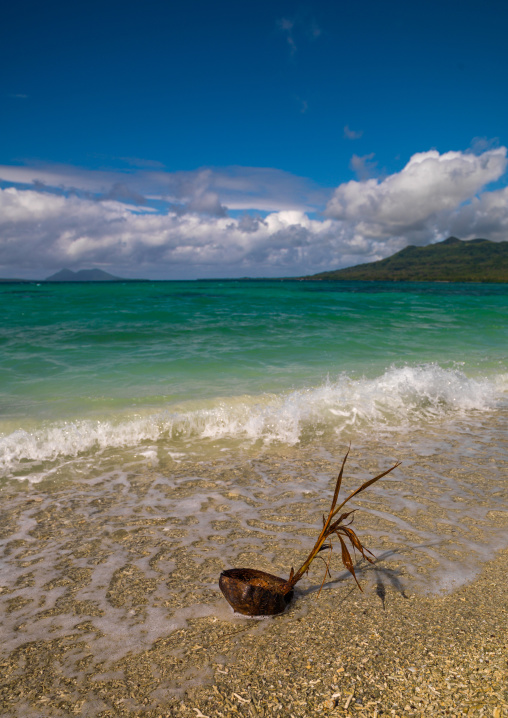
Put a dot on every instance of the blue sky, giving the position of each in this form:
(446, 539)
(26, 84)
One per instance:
(166, 140)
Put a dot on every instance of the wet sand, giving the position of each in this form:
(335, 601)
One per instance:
(110, 604)
(381, 653)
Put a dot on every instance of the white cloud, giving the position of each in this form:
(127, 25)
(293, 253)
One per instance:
(42, 232)
(352, 134)
(434, 196)
(205, 189)
(416, 200)
(486, 216)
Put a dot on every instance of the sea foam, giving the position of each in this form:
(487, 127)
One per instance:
(399, 399)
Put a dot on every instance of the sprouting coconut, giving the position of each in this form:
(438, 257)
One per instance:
(256, 593)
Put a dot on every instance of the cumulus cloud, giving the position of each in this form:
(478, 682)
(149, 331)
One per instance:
(197, 233)
(485, 216)
(419, 199)
(45, 231)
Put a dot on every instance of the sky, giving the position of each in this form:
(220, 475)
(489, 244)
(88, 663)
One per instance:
(235, 139)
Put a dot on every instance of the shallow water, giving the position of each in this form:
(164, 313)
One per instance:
(140, 462)
(137, 551)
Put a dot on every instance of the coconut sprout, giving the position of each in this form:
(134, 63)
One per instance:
(256, 593)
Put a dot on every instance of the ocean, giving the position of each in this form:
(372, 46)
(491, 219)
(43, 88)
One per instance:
(173, 366)
(167, 430)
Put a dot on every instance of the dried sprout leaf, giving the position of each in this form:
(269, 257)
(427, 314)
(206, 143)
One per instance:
(346, 560)
(337, 527)
(341, 518)
(356, 542)
(339, 480)
(325, 546)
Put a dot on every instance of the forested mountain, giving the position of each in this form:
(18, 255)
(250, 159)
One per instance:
(453, 260)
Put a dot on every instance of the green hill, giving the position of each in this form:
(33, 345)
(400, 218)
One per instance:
(454, 260)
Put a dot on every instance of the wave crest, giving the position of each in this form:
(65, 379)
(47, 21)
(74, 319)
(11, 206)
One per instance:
(399, 399)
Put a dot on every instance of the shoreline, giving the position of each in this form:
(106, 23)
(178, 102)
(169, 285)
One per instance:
(110, 607)
(110, 603)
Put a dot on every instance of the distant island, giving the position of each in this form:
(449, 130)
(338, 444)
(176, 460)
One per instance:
(67, 275)
(453, 260)
(84, 275)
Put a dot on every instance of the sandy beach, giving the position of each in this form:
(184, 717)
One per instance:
(380, 653)
(110, 604)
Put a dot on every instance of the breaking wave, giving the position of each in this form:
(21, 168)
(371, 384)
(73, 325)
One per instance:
(400, 399)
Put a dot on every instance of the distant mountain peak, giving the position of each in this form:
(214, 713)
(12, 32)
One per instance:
(84, 275)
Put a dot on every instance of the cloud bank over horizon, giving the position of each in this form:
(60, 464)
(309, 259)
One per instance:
(240, 221)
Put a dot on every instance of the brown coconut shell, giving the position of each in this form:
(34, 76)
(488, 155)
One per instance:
(255, 593)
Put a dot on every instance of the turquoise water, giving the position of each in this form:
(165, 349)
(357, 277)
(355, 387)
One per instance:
(85, 367)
